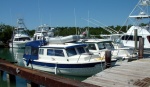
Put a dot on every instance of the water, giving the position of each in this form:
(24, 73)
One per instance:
(16, 55)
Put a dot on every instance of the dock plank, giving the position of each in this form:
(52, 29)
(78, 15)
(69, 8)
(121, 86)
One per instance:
(129, 74)
(105, 83)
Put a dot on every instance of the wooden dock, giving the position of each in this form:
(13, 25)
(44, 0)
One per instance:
(124, 74)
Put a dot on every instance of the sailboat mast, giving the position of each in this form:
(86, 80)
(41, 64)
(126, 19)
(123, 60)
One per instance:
(75, 21)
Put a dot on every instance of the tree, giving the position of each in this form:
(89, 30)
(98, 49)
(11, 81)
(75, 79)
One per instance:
(6, 33)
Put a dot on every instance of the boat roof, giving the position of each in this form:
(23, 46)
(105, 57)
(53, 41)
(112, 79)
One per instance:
(36, 43)
(65, 45)
(43, 44)
(96, 40)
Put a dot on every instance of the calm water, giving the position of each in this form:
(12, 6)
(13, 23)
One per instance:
(16, 55)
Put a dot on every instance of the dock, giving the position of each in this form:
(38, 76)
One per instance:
(124, 74)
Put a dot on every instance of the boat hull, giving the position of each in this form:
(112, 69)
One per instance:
(18, 44)
(76, 69)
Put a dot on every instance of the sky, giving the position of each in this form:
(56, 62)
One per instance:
(65, 13)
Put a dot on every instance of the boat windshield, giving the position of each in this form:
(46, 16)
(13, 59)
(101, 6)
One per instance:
(91, 47)
(44, 33)
(34, 51)
(22, 39)
(71, 52)
(80, 50)
(105, 45)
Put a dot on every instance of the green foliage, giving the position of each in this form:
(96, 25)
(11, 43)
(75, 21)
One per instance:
(6, 33)
(30, 32)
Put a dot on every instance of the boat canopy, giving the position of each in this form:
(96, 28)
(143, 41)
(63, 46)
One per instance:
(31, 49)
(36, 44)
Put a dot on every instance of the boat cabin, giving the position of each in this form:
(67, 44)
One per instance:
(56, 52)
(99, 44)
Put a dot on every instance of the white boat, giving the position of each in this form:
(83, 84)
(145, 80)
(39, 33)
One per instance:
(99, 46)
(139, 19)
(20, 38)
(43, 32)
(63, 58)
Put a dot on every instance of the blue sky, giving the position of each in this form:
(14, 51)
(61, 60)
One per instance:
(63, 13)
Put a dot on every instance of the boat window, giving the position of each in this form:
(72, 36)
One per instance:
(81, 50)
(127, 37)
(101, 46)
(148, 37)
(71, 52)
(34, 51)
(50, 52)
(39, 37)
(28, 50)
(91, 47)
(44, 33)
(16, 39)
(108, 45)
(130, 37)
(24, 38)
(59, 53)
(41, 51)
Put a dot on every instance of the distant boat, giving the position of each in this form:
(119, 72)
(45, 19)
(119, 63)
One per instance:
(140, 19)
(60, 57)
(20, 37)
(99, 46)
(43, 32)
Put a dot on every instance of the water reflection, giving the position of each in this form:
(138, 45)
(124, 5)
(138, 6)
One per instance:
(16, 55)
(12, 55)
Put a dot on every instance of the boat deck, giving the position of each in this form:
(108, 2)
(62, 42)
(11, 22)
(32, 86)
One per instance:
(124, 74)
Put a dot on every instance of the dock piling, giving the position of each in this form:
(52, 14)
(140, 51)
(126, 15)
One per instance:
(107, 59)
(141, 48)
(11, 78)
(32, 84)
(1, 73)
(135, 39)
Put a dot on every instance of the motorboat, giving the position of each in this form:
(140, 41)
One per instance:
(20, 37)
(63, 57)
(99, 46)
(138, 20)
(43, 32)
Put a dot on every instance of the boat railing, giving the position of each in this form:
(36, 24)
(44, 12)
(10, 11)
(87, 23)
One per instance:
(90, 54)
(78, 58)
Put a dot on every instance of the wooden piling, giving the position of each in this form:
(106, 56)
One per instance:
(141, 48)
(135, 39)
(11, 78)
(1, 73)
(107, 59)
(32, 84)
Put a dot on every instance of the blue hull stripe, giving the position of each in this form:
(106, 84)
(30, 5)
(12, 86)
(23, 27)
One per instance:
(85, 65)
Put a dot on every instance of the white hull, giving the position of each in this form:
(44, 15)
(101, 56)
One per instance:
(131, 43)
(18, 44)
(87, 71)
